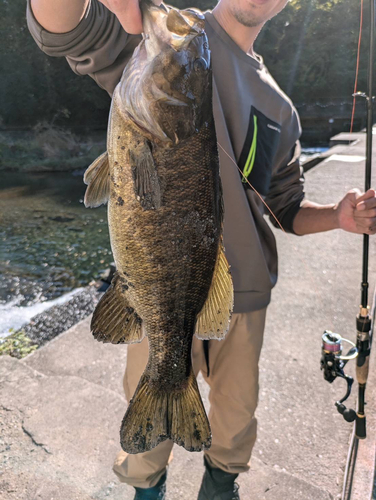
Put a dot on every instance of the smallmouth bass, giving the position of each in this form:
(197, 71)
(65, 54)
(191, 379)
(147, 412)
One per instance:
(160, 178)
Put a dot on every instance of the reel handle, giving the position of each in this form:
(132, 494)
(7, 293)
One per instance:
(348, 414)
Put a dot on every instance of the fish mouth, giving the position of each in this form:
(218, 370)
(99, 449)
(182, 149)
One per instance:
(169, 25)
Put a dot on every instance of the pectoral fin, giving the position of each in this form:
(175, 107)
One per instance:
(97, 176)
(214, 318)
(114, 320)
(146, 182)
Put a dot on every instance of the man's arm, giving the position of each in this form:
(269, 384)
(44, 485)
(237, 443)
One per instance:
(97, 46)
(315, 218)
(286, 191)
(355, 213)
(61, 16)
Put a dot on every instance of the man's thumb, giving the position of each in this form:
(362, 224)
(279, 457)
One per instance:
(129, 15)
(353, 195)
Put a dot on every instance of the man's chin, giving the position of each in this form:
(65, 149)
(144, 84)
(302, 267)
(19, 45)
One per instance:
(257, 12)
(253, 15)
(248, 19)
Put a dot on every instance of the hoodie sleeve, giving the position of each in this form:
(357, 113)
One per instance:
(98, 46)
(286, 191)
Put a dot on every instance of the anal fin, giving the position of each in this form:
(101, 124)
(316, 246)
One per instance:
(113, 319)
(214, 318)
(97, 176)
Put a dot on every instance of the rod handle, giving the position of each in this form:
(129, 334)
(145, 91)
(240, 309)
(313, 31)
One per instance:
(362, 371)
(360, 426)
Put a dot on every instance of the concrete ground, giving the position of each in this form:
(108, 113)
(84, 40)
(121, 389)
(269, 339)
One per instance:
(61, 407)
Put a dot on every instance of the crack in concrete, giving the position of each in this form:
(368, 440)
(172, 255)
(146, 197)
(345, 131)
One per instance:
(270, 488)
(5, 408)
(41, 445)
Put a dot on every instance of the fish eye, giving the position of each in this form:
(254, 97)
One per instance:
(200, 64)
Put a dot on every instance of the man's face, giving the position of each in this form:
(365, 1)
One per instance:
(254, 12)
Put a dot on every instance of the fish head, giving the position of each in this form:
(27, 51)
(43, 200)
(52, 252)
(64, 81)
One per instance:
(166, 87)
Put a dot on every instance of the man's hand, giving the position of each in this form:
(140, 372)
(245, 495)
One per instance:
(128, 12)
(357, 212)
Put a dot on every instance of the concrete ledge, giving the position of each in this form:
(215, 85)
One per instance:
(346, 138)
(76, 352)
(59, 435)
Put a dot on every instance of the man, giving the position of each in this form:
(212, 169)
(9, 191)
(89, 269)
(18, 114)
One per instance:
(258, 130)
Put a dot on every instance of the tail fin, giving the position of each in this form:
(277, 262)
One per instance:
(154, 416)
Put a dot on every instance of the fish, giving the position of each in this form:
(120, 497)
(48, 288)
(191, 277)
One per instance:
(161, 181)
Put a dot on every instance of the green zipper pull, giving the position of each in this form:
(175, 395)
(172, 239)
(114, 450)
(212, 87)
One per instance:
(252, 152)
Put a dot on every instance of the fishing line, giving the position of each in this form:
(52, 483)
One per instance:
(313, 278)
(357, 66)
(254, 189)
(332, 361)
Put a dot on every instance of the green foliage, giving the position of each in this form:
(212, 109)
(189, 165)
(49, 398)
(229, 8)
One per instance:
(309, 48)
(48, 147)
(18, 345)
(34, 86)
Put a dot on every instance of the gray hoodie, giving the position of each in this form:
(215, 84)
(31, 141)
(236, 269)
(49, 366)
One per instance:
(257, 126)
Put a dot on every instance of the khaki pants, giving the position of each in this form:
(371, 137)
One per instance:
(233, 381)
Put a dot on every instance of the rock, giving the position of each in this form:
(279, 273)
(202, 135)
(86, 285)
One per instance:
(59, 218)
(50, 323)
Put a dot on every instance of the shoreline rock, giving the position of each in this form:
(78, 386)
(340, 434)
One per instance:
(47, 325)
(50, 323)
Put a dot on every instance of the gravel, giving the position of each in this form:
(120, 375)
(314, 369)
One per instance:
(47, 325)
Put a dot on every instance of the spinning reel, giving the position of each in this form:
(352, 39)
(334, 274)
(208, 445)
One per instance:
(333, 362)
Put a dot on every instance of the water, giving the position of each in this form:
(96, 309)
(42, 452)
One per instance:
(14, 317)
(308, 152)
(50, 244)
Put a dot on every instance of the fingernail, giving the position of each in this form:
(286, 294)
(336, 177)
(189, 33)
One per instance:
(361, 206)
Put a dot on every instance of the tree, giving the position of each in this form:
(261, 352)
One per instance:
(34, 87)
(309, 48)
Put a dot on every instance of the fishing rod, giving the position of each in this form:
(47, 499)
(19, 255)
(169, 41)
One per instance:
(333, 361)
